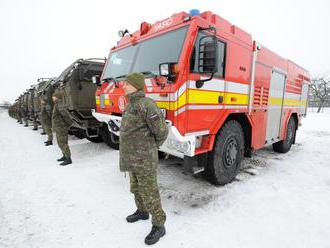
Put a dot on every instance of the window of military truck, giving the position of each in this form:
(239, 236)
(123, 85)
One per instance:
(221, 56)
(147, 55)
(91, 70)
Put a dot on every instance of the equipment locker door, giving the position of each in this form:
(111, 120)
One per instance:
(304, 98)
(275, 106)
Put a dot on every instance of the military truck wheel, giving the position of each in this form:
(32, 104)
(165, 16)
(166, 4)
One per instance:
(80, 134)
(228, 151)
(284, 146)
(161, 155)
(97, 139)
(109, 138)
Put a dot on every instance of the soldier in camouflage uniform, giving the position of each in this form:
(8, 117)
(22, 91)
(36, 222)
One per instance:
(40, 97)
(46, 109)
(19, 111)
(32, 108)
(143, 130)
(61, 124)
(24, 109)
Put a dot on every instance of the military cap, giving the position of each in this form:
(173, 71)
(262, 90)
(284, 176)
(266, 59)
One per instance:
(136, 79)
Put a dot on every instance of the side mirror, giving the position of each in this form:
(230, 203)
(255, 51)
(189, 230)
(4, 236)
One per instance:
(96, 80)
(208, 55)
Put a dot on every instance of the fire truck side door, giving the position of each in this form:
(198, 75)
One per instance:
(275, 106)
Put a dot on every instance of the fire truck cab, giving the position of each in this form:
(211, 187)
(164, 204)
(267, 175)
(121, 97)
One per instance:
(223, 94)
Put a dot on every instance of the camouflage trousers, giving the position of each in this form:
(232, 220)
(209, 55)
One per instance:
(19, 117)
(62, 141)
(145, 189)
(48, 131)
(35, 123)
(25, 119)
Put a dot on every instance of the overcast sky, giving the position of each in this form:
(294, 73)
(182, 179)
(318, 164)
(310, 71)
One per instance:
(40, 38)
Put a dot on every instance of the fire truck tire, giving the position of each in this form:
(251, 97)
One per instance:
(284, 146)
(228, 151)
(109, 138)
(97, 139)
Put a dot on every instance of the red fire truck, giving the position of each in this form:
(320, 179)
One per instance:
(223, 94)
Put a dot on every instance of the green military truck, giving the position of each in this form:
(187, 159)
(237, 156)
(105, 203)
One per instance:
(79, 96)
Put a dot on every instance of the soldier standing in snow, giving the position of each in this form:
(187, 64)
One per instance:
(143, 130)
(61, 124)
(19, 111)
(24, 109)
(46, 118)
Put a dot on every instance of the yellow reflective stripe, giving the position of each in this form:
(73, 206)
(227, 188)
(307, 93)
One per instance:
(98, 101)
(203, 97)
(212, 97)
(275, 101)
(233, 98)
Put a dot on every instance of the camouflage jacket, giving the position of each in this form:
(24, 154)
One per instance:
(143, 130)
(61, 118)
(46, 110)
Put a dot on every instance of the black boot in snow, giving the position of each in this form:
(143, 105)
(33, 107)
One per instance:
(35, 129)
(43, 133)
(26, 125)
(156, 233)
(61, 159)
(48, 143)
(138, 215)
(66, 162)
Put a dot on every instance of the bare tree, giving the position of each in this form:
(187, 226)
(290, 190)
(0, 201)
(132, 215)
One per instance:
(321, 90)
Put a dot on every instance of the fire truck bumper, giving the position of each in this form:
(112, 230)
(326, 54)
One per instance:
(175, 144)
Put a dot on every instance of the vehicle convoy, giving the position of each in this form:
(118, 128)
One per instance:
(79, 96)
(223, 94)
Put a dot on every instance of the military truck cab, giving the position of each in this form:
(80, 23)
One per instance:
(79, 96)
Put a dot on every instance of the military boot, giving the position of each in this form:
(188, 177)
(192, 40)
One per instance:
(156, 233)
(26, 125)
(35, 129)
(66, 161)
(61, 159)
(43, 133)
(48, 143)
(138, 215)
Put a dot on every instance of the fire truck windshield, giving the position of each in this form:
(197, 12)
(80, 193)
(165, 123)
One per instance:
(146, 55)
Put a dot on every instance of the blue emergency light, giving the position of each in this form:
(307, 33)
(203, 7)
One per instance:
(194, 12)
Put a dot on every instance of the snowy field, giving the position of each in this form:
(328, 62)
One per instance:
(277, 200)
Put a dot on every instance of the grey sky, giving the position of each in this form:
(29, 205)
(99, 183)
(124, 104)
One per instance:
(39, 38)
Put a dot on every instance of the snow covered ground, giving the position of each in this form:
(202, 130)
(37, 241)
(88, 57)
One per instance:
(278, 200)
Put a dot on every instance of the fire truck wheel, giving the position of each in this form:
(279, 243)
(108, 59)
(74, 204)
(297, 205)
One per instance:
(97, 139)
(227, 154)
(109, 138)
(284, 146)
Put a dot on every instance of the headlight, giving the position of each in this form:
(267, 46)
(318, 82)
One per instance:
(164, 69)
(183, 147)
